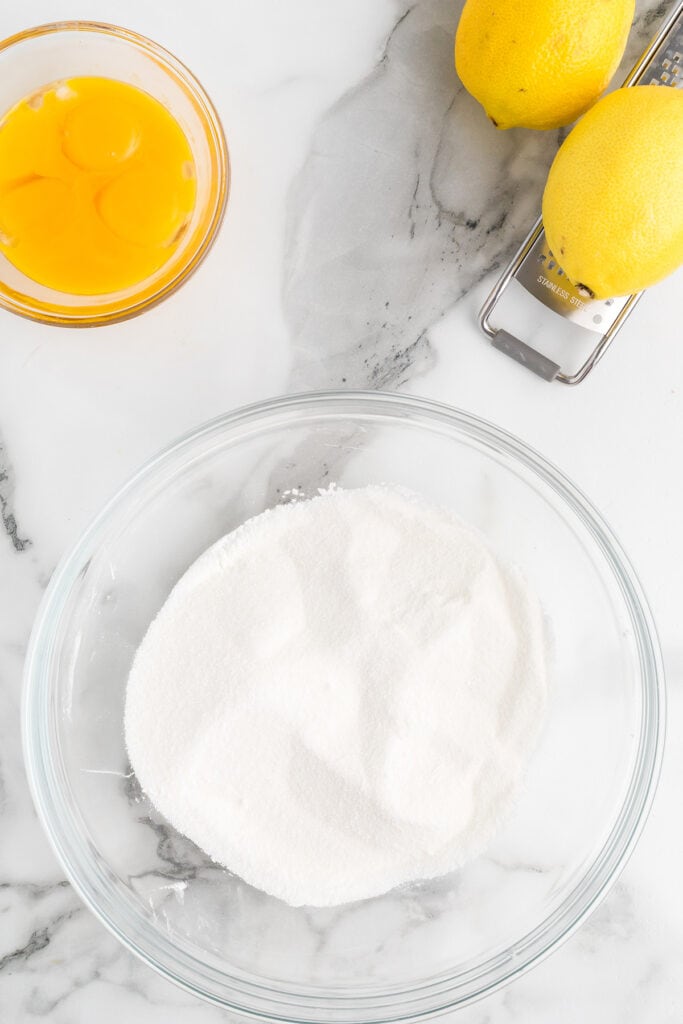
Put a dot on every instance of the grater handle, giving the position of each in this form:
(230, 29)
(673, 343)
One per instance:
(522, 353)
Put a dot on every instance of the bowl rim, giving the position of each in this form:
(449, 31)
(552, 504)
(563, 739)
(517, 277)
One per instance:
(246, 994)
(86, 313)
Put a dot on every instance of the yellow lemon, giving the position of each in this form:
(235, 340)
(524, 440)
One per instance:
(540, 63)
(613, 202)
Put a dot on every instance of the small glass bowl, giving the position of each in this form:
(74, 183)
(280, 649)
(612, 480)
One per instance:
(422, 948)
(46, 54)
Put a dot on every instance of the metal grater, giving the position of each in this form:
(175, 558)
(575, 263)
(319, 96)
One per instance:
(536, 270)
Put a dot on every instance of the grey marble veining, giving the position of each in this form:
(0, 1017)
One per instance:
(9, 521)
(406, 201)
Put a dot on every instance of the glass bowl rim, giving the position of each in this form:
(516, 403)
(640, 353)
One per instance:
(247, 994)
(86, 314)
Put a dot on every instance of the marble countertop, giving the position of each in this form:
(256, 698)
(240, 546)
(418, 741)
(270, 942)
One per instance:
(371, 206)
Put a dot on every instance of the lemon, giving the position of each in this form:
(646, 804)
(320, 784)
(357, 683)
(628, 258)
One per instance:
(540, 63)
(613, 202)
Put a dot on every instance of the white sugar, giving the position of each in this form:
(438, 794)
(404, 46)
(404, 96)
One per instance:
(340, 696)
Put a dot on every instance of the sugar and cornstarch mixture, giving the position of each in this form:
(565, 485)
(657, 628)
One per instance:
(340, 696)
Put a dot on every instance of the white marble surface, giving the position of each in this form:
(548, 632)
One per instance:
(371, 204)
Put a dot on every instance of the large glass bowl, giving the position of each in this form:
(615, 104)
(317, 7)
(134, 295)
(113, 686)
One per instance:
(424, 947)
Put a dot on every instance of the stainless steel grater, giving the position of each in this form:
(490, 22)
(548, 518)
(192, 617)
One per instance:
(536, 270)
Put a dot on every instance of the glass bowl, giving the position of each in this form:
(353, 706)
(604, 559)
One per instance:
(424, 947)
(48, 53)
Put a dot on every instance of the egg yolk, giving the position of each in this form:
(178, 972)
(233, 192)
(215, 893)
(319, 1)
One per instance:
(97, 185)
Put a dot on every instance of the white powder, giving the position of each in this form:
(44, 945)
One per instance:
(339, 696)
